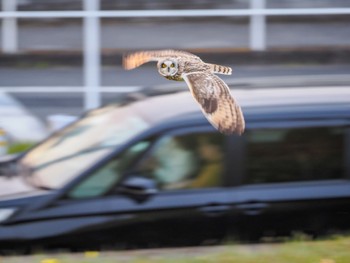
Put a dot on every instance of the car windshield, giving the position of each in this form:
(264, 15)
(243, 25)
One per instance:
(75, 148)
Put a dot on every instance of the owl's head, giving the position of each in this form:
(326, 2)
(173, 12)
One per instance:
(168, 67)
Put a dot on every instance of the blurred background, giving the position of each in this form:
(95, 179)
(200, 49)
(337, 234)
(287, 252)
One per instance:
(60, 58)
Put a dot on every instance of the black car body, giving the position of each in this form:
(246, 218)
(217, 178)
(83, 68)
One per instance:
(167, 177)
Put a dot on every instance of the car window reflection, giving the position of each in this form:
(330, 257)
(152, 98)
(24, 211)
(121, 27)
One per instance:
(298, 154)
(186, 162)
(67, 154)
(105, 178)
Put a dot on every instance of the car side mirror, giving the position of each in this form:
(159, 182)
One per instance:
(138, 187)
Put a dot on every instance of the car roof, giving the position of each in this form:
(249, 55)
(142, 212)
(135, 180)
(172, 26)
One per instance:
(181, 106)
(293, 96)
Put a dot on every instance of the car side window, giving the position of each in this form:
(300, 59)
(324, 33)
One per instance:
(105, 178)
(186, 161)
(298, 154)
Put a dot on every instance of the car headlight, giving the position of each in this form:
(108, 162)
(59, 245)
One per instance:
(5, 213)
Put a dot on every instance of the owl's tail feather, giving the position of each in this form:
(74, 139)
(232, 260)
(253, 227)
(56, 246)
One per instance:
(220, 69)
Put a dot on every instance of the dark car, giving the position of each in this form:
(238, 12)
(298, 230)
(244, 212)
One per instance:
(154, 172)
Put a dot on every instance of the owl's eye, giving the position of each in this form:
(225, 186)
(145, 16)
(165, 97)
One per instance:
(163, 65)
(172, 65)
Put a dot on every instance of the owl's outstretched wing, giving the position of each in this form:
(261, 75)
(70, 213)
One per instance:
(216, 101)
(136, 59)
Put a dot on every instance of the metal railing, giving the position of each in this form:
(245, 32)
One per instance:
(91, 16)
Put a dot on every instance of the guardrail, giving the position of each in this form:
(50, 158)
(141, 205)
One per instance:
(91, 26)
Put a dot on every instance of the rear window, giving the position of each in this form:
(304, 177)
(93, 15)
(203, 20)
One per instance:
(301, 154)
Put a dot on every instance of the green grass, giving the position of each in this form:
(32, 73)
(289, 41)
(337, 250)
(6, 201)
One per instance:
(19, 147)
(332, 250)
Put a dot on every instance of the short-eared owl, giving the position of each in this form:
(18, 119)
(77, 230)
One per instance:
(211, 92)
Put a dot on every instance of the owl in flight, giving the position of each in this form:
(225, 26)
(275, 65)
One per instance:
(211, 92)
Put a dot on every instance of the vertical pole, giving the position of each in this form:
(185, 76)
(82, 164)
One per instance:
(92, 56)
(9, 28)
(257, 27)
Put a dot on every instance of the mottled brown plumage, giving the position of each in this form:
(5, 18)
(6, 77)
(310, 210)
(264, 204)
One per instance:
(211, 92)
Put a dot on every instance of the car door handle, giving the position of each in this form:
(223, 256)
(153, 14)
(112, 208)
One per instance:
(253, 208)
(215, 209)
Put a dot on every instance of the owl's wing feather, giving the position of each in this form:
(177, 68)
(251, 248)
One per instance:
(216, 101)
(136, 59)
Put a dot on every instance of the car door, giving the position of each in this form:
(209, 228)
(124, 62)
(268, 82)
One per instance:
(294, 176)
(161, 191)
(190, 206)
